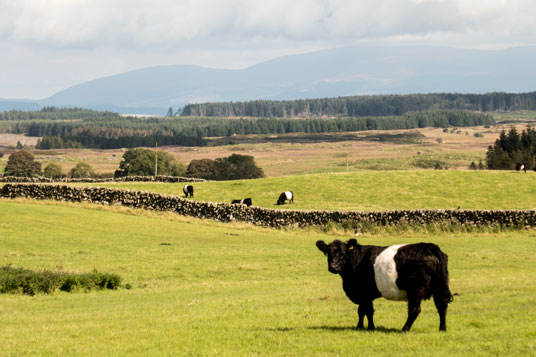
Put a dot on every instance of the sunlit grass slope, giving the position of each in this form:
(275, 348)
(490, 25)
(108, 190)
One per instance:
(372, 190)
(230, 290)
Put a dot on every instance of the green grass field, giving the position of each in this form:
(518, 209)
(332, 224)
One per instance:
(230, 289)
(371, 190)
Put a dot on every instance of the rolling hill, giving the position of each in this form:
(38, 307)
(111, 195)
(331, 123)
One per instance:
(327, 73)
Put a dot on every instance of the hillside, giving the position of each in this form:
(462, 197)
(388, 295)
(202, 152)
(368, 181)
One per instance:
(329, 73)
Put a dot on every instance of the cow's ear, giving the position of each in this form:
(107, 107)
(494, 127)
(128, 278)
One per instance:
(322, 246)
(351, 244)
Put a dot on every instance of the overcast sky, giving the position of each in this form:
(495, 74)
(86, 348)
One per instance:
(49, 45)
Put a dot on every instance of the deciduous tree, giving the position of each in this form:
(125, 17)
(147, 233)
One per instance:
(22, 164)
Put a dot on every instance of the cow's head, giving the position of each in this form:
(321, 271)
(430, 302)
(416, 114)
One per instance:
(338, 253)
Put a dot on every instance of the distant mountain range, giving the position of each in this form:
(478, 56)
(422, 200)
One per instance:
(329, 73)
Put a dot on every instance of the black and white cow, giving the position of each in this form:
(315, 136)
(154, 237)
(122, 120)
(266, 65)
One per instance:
(521, 167)
(244, 201)
(284, 196)
(405, 272)
(188, 190)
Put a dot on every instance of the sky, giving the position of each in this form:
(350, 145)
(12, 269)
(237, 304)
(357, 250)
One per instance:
(49, 45)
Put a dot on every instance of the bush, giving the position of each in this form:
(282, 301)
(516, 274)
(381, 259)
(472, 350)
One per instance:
(204, 168)
(141, 162)
(22, 164)
(28, 282)
(429, 163)
(82, 170)
(53, 171)
(234, 167)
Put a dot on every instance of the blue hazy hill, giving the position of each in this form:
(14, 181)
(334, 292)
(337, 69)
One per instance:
(335, 72)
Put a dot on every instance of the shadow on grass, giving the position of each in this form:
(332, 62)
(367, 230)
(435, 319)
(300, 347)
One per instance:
(338, 329)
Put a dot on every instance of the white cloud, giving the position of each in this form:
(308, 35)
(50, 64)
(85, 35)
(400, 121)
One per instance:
(79, 23)
(75, 39)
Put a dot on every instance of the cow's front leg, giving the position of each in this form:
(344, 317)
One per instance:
(361, 314)
(366, 309)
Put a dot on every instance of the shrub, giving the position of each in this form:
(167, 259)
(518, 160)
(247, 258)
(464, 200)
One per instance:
(28, 282)
(204, 168)
(53, 171)
(234, 167)
(429, 163)
(22, 164)
(82, 170)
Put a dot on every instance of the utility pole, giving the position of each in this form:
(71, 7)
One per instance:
(155, 159)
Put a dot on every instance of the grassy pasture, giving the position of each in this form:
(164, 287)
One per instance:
(222, 289)
(371, 190)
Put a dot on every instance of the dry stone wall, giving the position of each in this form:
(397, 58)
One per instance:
(95, 180)
(263, 216)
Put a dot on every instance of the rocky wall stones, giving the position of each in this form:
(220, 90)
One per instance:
(94, 180)
(264, 216)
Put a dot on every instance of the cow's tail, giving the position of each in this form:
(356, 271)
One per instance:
(441, 285)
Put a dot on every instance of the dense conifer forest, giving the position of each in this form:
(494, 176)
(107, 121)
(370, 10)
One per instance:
(74, 127)
(360, 106)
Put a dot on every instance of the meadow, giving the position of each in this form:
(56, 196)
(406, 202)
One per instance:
(232, 289)
(199, 287)
(368, 190)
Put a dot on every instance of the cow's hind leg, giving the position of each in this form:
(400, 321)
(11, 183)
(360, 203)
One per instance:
(414, 308)
(441, 303)
(366, 309)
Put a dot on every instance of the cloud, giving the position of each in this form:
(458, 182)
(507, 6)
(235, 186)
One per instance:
(50, 44)
(166, 23)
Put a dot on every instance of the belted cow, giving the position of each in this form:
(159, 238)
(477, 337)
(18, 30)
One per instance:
(405, 272)
(285, 196)
(244, 201)
(188, 190)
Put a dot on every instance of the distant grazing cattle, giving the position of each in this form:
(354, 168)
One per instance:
(406, 272)
(520, 167)
(244, 201)
(288, 195)
(188, 190)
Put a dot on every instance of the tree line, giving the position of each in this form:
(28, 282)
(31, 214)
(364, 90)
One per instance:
(373, 105)
(141, 162)
(53, 113)
(75, 127)
(133, 132)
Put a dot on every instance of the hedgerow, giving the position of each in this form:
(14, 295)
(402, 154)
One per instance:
(29, 282)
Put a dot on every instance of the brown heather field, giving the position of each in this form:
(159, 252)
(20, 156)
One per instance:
(293, 154)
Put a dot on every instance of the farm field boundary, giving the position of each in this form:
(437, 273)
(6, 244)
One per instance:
(264, 216)
(92, 180)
